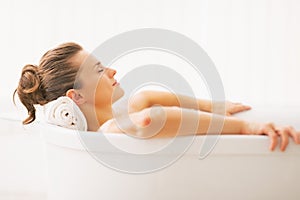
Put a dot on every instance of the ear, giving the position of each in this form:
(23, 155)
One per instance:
(75, 96)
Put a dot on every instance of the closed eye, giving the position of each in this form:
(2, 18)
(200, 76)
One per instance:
(99, 68)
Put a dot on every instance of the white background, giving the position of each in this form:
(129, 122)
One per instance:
(254, 44)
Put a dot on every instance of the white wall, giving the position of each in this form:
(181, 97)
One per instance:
(254, 43)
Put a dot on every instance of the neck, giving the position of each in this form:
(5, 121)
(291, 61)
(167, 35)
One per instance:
(95, 117)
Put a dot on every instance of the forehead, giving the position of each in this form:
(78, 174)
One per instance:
(84, 59)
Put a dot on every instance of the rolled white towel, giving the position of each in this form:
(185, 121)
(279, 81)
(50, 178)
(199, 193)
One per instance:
(64, 112)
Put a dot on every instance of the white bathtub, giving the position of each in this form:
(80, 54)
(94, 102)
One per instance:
(239, 167)
(22, 161)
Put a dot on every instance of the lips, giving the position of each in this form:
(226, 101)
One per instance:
(115, 83)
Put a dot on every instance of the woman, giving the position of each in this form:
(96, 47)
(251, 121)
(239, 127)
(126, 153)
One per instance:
(68, 70)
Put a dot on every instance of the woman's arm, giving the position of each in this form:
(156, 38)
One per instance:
(166, 122)
(146, 99)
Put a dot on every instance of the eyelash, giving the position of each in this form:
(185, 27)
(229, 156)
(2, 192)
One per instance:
(100, 69)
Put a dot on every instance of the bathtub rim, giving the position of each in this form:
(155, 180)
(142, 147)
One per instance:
(226, 144)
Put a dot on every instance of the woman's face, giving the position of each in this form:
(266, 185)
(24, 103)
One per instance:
(98, 85)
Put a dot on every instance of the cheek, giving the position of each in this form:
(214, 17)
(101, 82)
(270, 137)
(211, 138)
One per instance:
(92, 89)
(103, 92)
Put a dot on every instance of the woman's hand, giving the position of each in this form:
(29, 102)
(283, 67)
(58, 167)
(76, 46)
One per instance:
(232, 108)
(273, 132)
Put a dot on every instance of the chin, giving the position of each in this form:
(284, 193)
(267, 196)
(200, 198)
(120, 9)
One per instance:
(117, 94)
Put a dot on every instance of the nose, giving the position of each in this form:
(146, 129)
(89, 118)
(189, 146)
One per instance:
(111, 72)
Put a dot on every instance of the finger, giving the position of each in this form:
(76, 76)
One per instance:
(240, 104)
(240, 108)
(247, 107)
(295, 135)
(284, 133)
(298, 137)
(274, 139)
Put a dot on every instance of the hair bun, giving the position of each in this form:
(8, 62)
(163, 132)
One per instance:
(30, 81)
(30, 85)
